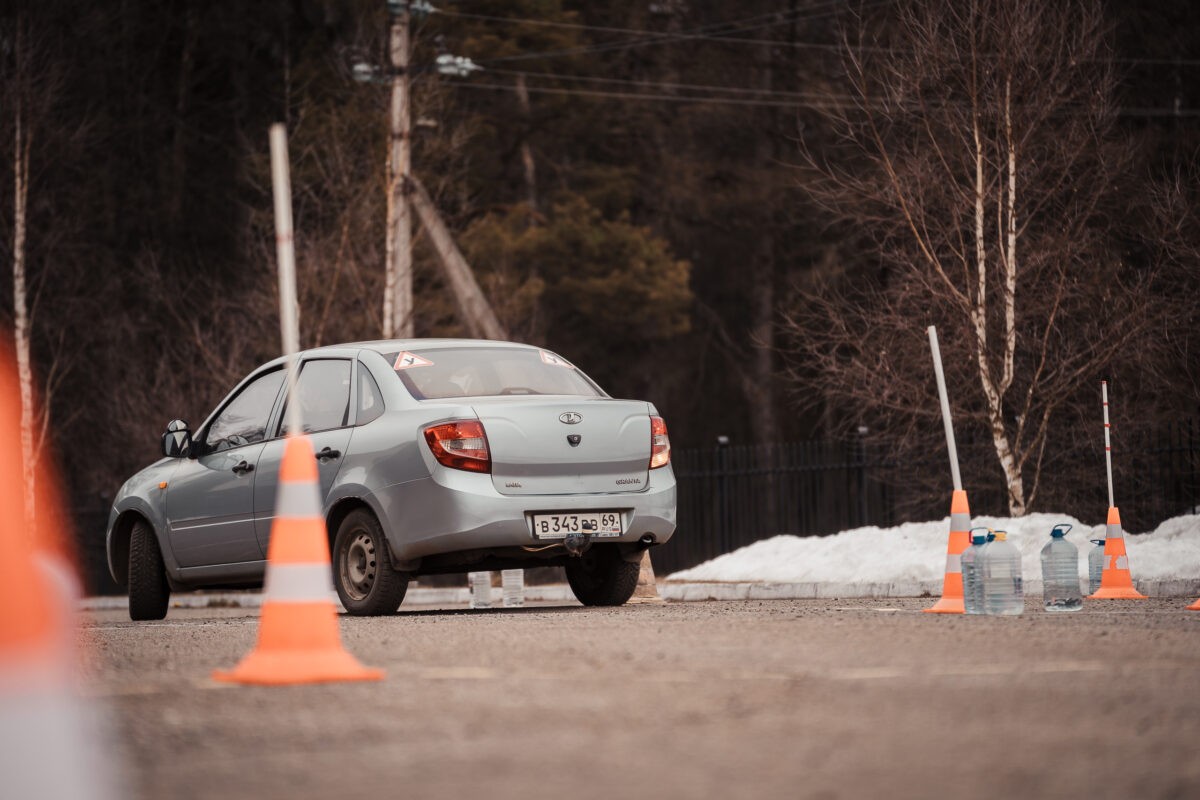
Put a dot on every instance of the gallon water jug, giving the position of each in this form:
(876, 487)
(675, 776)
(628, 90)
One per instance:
(1060, 572)
(481, 589)
(512, 583)
(1003, 592)
(1095, 565)
(972, 587)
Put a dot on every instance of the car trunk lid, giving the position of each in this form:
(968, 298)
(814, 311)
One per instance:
(566, 445)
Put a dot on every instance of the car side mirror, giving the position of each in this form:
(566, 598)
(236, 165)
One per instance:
(177, 441)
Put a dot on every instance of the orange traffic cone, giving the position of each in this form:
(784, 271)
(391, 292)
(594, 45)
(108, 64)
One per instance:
(298, 638)
(1115, 583)
(960, 539)
(1194, 606)
(46, 746)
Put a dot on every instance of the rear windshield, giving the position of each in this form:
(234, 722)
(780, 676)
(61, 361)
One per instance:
(486, 372)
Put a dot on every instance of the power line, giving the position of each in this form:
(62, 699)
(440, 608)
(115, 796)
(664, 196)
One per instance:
(736, 101)
(713, 32)
(820, 102)
(662, 85)
(715, 36)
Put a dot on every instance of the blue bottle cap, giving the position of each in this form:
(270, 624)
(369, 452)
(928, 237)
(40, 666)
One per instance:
(1057, 533)
(1096, 541)
(978, 538)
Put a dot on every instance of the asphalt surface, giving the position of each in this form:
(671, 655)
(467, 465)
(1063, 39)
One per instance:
(745, 699)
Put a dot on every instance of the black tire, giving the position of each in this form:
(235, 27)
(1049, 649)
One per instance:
(363, 575)
(149, 592)
(600, 577)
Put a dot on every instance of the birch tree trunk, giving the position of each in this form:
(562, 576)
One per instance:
(21, 311)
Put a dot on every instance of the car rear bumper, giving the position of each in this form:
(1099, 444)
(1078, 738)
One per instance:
(455, 510)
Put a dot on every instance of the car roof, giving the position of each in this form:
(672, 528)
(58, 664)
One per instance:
(394, 345)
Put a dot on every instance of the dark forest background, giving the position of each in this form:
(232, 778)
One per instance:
(627, 178)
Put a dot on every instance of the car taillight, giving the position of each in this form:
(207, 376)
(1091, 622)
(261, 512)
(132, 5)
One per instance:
(460, 445)
(660, 445)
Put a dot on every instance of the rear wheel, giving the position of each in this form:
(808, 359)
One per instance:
(600, 577)
(362, 570)
(149, 592)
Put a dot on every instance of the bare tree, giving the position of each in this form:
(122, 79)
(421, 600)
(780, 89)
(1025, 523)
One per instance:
(980, 165)
(29, 87)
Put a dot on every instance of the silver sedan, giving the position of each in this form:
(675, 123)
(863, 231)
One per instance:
(435, 456)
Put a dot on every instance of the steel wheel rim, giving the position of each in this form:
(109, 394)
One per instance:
(358, 566)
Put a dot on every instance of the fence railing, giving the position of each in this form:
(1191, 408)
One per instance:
(732, 496)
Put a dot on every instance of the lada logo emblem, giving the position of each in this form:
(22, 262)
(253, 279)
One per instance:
(570, 418)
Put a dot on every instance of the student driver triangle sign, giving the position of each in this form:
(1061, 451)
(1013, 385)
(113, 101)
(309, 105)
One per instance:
(408, 360)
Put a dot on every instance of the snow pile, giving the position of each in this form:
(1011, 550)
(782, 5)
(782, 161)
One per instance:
(916, 551)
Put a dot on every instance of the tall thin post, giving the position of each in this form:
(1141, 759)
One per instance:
(289, 312)
(1107, 442)
(397, 295)
(946, 421)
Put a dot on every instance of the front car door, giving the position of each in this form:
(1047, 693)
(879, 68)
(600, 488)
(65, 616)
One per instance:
(210, 500)
(324, 388)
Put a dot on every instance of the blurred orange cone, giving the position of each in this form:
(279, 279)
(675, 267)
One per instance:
(960, 539)
(46, 749)
(1115, 582)
(1194, 606)
(298, 638)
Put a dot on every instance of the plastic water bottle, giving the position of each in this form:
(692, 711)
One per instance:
(1060, 572)
(1095, 566)
(512, 582)
(1003, 592)
(481, 589)
(972, 585)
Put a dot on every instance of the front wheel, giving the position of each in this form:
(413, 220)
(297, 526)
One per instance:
(600, 577)
(149, 592)
(362, 569)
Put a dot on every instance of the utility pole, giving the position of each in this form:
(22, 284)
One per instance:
(397, 296)
(403, 192)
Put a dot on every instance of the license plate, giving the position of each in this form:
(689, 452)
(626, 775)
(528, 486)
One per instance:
(600, 524)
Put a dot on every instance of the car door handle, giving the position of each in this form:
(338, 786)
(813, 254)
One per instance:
(328, 452)
(243, 466)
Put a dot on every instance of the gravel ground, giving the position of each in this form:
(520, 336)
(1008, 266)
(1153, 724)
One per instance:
(763, 699)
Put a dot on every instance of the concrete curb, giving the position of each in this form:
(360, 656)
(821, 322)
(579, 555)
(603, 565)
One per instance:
(672, 591)
(792, 591)
(820, 590)
(253, 599)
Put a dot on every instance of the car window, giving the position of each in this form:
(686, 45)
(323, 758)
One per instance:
(244, 420)
(484, 372)
(324, 391)
(370, 399)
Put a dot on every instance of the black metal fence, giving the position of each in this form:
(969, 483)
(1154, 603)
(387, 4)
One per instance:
(732, 496)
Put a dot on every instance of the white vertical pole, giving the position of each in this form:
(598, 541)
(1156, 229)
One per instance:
(1107, 442)
(946, 421)
(289, 312)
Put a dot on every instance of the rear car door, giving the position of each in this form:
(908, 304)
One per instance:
(210, 500)
(324, 388)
